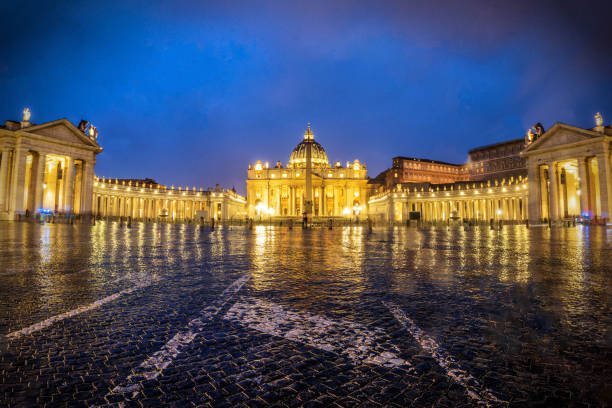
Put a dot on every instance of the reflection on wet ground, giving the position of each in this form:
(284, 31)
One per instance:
(179, 315)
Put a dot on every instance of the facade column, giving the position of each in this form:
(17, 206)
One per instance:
(585, 193)
(553, 178)
(605, 183)
(4, 159)
(323, 205)
(38, 176)
(321, 189)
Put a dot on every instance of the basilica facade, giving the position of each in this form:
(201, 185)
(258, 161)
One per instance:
(338, 190)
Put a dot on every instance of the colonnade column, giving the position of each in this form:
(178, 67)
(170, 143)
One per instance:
(534, 188)
(605, 183)
(4, 159)
(585, 196)
(38, 175)
(18, 180)
(69, 184)
(554, 191)
(391, 209)
(87, 186)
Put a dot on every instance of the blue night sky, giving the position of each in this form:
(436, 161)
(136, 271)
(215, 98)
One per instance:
(191, 92)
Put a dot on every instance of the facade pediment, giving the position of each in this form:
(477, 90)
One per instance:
(559, 135)
(61, 130)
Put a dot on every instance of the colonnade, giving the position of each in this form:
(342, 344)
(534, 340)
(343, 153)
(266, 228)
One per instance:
(572, 187)
(33, 181)
(507, 202)
(114, 199)
(485, 209)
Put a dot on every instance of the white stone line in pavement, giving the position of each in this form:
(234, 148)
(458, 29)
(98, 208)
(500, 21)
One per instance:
(54, 319)
(153, 366)
(360, 343)
(444, 359)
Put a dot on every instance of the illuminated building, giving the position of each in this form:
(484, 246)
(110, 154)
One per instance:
(275, 191)
(561, 174)
(569, 169)
(46, 168)
(49, 168)
(146, 199)
(413, 170)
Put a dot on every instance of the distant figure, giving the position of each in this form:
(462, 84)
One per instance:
(304, 220)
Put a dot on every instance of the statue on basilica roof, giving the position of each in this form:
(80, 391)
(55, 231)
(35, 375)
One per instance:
(27, 115)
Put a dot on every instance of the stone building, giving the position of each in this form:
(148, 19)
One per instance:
(561, 174)
(500, 160)
(412, 170)
(49, 168)
(338, 190)
(46, 168)
(569, 171)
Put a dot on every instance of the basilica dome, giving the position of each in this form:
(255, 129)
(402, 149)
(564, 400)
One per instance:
(317, 153)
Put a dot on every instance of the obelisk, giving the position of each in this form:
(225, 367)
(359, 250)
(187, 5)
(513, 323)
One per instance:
(308, 137)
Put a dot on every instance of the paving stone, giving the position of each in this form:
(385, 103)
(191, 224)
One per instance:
(526, 314)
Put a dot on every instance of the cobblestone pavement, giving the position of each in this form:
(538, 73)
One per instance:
(176, 315)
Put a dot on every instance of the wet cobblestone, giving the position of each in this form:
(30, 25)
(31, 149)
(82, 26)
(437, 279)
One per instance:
(524, 317)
